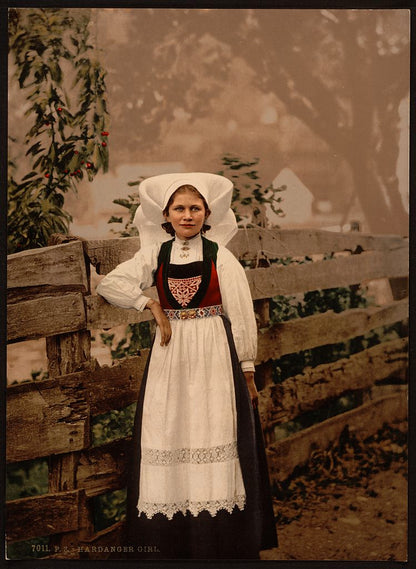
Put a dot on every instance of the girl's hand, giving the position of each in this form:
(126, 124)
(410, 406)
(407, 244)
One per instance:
(249, 375)
(161, 320)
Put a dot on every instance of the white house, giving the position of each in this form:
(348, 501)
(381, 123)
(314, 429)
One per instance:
(296, 200)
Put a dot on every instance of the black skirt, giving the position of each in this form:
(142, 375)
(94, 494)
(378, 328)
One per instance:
(240, 534)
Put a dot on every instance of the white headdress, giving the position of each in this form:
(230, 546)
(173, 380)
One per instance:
(154, 195)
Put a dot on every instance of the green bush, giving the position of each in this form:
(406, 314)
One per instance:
(57, 68)
(109, 509)
(116, 424)
(28, 478)
(138, 337)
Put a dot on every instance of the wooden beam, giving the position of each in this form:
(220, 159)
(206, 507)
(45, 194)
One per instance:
(315, 386)
(274, 243)
(41, 272)
(42, 515)
(45, 316)
(106, 254)
(104, 469)
(363, 421)
(45, 418)
(119, 384)
(326, 328)
(338, 272)
(102, 314)
(53, 416)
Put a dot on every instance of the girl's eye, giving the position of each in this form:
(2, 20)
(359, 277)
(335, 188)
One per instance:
(196, 208)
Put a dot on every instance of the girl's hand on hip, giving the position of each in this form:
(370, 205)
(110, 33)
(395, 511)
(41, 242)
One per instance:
(249, 375)
(161, 320)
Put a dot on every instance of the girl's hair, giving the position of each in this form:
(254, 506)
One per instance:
(167, 226)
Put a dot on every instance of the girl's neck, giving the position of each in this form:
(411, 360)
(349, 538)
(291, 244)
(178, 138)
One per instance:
(188, 238)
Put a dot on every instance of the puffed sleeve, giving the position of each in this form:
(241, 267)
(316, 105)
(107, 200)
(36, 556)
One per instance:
(238, 307)
(123, 286)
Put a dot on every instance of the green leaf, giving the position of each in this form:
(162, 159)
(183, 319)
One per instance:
(24, 74)
(30, 175)
(34, 149)
(123, 202)
(55, 71)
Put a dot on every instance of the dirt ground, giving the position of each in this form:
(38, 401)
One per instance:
(349, 503)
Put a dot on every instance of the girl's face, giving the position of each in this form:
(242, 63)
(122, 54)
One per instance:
(186, 214)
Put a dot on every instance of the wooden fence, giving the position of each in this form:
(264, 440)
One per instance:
(49, 295)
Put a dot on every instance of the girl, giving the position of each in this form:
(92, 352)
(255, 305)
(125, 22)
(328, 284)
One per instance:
(198, 483)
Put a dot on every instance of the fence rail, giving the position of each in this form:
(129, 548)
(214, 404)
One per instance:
(49, 296)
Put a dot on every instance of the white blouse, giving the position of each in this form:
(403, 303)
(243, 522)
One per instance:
(124, 287)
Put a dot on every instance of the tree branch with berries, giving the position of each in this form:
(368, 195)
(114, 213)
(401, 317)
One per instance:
(57, 67)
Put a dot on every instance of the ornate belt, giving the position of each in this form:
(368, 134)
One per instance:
(186, 313)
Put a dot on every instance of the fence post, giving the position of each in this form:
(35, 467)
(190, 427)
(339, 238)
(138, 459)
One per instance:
(264, 371)
(68, 353)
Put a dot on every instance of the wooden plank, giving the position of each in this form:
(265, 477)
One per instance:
(326, 328)
(52, 416)
(44, 418)
(103, 469)
(37, 272)
(273, 243)
(101, 314)
(119, 384)
(42, 515)
(363, 421)
(106, 254)
(338, 272)
(316, 386)
(46, 316)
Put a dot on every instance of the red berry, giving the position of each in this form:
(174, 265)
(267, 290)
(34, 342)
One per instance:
(46, 123)
(89, 164)
(103, 144)
(76, 152)
(66, 171)
(82, 162)
(72, 174)
(105, 133)
(59, 109)
(47, 175)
